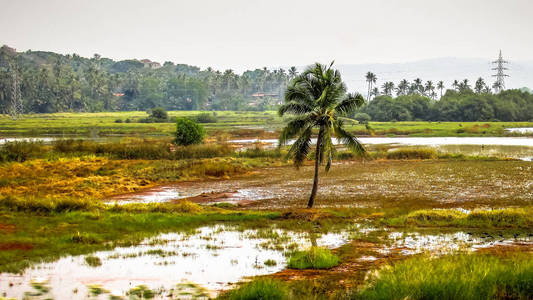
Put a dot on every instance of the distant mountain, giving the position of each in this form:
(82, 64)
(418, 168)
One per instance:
(445, 69)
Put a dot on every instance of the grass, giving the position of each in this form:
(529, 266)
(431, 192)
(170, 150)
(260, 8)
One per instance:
(460, 276)
(93, 261)
(313, 258)
(105, 123)
(264, 289)
(498, 218)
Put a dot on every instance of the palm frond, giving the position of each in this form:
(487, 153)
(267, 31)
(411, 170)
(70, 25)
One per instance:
(300, 149)
(348, 139)
(293, 128)
(349, 104)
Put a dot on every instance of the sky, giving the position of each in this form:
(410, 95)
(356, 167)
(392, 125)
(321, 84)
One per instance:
(249, 34)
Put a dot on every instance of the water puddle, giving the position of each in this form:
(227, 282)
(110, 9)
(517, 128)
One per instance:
(445, 243)
(520, 129)
(213, 258)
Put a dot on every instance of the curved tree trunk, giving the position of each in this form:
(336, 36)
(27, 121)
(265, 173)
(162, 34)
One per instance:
(317, 165)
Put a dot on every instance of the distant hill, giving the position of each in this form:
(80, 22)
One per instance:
(446, 69)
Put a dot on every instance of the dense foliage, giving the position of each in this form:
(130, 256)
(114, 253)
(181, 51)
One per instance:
(51, 82)
(188, 132)
(464, 106)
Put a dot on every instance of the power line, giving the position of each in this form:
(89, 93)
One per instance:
(500, 63)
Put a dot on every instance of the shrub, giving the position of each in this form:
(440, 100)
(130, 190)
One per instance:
(313, 258)
(188, 132)
(159, 113)
(362, 118)
(413, 153)
(206, 118)
(264, 289)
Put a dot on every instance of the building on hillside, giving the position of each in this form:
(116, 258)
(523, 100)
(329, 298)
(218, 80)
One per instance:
(150, 64)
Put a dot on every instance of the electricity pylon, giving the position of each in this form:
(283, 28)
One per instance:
(500, 63)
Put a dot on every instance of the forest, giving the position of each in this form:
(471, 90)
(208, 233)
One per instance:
(48, 82)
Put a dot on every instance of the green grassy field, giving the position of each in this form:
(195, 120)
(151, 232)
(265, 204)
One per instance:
(106, 124)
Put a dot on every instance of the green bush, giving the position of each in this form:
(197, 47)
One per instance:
(363, 118)
(460, 276)
(188, 132)
(206, 118)
(159, 113)
(313, 258)
(263, 289)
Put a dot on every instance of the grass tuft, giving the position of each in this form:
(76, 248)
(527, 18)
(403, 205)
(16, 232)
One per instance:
(313, 258)
(264, 289)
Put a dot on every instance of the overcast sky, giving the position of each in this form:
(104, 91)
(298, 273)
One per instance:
(245, 34)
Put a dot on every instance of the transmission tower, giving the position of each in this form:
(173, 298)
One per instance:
(499, 84)
(15, 108)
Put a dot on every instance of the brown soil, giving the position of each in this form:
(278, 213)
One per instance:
(15, 246)
(7, 228)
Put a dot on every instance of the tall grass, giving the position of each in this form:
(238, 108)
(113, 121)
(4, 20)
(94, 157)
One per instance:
(499, 218)
(263, 289)
(313, 258)
(461, 276)
(413, 153)
(21, 150)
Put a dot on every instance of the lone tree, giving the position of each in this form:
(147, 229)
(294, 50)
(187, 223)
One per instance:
(318, 99)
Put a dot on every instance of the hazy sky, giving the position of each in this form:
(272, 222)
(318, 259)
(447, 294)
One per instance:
(242, 34)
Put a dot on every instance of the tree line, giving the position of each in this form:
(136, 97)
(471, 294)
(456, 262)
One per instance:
(51, 82)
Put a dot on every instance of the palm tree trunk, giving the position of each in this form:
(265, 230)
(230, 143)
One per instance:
(317, 164)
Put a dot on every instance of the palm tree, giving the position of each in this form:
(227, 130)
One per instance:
(403, 87)
(318, 99)
(455, 85)
(417, 86)
(371, 79)
(292, 72)
(480, 85)
(388, 87)
(430, 89)
(440, 86)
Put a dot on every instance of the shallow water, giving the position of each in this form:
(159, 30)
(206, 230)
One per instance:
(520, 130)
(212, 257)
(446, 243)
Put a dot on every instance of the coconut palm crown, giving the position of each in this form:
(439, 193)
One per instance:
(317, 99)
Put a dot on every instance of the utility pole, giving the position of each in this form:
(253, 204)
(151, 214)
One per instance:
(16, 107)
(500, 63)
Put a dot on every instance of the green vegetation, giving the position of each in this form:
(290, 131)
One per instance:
(313, 258)
(460, 276)
(317, 98)
(413, 153)
(188, 132)
(264, 289)
(93, 261)
(51, 82)
(497, 218)
(461, 105)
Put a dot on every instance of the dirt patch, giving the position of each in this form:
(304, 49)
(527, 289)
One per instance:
(7, 228)
(15, 246)
(307, 215)
(358, 258)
